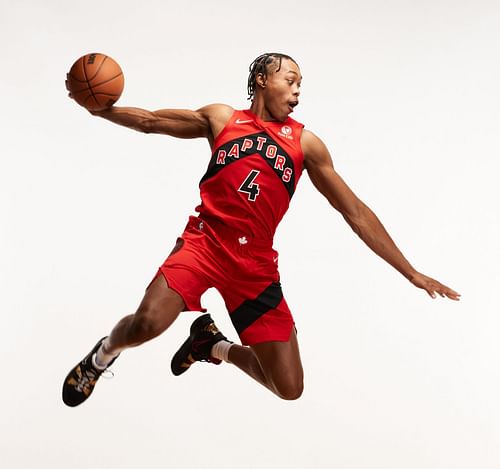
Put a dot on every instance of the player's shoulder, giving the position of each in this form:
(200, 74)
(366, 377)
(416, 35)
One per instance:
(309, 140)
(217, 116)
(313, 147)
(217, 110)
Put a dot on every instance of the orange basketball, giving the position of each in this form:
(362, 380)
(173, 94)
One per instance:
(95, 81)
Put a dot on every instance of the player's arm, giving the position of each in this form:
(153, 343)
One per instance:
(362, 220)
(204, 122)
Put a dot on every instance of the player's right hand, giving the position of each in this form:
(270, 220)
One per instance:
(67, 87)
(98, 113)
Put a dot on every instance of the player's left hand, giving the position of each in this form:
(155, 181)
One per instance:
(432, 287)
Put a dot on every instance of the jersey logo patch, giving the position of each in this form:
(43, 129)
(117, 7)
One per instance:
(286, 132)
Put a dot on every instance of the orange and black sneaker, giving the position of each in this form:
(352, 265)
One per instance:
(197, 347)
(80, 382)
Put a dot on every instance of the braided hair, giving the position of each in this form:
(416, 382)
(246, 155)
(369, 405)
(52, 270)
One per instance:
(261, 65)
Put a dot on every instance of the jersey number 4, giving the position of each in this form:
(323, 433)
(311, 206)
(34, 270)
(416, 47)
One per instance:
(249, 187)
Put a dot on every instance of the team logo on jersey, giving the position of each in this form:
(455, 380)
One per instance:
(261, 144)
(286, 132)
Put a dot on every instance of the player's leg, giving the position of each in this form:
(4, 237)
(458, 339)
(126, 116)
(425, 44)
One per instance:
(264, 321)
(262, 318)
(158, 309)
(276, 365)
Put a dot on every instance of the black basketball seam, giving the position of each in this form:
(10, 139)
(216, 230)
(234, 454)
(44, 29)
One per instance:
(83, 67)
(74, 93)
(76, 79)
(86, 99)
(98, 68)
(106, 81)
(105, 94)
(90, 88)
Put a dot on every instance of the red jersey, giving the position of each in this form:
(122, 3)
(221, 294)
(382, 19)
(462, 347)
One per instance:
(252, 175)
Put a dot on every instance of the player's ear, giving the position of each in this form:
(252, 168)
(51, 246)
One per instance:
(260, 79)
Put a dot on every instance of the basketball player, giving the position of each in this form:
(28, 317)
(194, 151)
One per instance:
(257, 159)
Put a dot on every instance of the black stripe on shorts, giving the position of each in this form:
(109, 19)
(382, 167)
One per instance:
(251, 310)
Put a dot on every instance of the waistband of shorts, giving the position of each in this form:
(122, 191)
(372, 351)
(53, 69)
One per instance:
(227, 234)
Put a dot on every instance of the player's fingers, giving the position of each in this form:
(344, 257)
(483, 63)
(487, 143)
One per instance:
(67, 86)
(434, 288)
(437, 288)
(453, 295)
(430, 292)
(446, 292)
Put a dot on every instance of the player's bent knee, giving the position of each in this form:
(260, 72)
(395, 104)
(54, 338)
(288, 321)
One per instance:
(145, 326)
(290, 391)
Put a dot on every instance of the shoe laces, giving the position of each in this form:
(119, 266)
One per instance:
(108, 373)
(105, 373)
(86, 379)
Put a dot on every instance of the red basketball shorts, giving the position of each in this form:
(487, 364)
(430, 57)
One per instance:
(243, 269)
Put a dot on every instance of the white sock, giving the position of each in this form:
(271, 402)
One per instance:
(221, 350)
(102, 358)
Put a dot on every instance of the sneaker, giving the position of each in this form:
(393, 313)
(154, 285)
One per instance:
(197, 347)
(80, 382)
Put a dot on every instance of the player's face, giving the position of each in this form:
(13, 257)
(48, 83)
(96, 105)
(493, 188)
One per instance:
(282, 90)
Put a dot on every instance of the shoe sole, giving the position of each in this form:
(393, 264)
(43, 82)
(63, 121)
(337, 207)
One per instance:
(177, 365)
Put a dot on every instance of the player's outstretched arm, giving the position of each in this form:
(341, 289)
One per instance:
(362, 220)
(204, 122)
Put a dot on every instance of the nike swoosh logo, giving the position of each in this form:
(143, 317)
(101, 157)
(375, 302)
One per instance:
(238, 121)
(198, 343)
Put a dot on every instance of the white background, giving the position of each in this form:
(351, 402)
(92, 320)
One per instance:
(406, 96)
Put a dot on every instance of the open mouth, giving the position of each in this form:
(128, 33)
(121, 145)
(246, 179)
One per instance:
(292, 104)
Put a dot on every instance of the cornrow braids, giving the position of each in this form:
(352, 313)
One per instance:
(260, 65)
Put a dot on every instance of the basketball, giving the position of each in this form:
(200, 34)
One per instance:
(95, 81)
